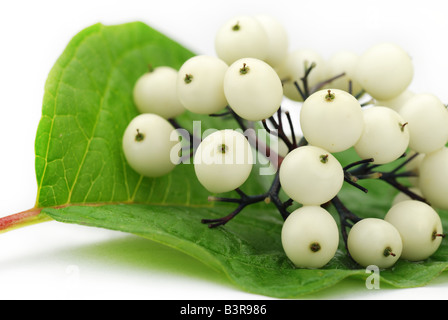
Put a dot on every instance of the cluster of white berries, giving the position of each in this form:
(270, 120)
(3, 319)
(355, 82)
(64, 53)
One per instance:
(251, 74)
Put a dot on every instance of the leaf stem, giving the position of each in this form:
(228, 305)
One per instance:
(35, 215)
(23, 219)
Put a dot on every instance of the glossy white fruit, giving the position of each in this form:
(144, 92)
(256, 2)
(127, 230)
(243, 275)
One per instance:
(397, 102)
(200, 84)
(428, 122)
(310, 237)
(343, 61)
(241, 37)
(433, 178)
(413, 166)
(401, 196)
(253, 89)
(385, 137)
(385, 70)
(223, 161)
(332, 119)
(156, 92)
(374, 241)
(278, 41)
(420, 228)
(294, 67)
(311, 175)
(150, 145)
(282, 148)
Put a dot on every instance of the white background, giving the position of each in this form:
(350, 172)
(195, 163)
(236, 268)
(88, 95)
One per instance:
(57, 261)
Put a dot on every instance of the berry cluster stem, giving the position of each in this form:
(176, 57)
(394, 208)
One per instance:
(353, 173)
(346, 217)
(272, 195)
(367, 170)
(244, 200)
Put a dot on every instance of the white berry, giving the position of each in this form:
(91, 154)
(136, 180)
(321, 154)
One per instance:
(413, 166)
(332, 119)
(311, 175)
(428, 122)
(385, 70)
(282, 148)
(420, 228)
(253, 89)
(401, 196)
(278, 42)
(385, 137)
(310, 237)
(397, 102)
(223, 161)
(433, 178)
(156, 92)
(343, 61)
(241, 37)
(374, 241)
(150, 145)
(200, 84)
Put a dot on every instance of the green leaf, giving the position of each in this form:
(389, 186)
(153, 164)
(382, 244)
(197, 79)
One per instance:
(83, 177)
(87, 105)
(248, 249)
